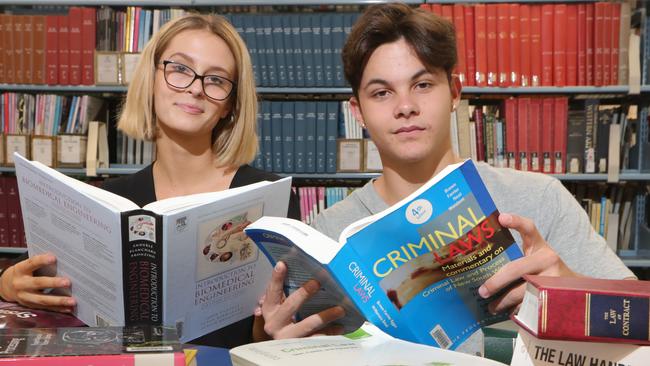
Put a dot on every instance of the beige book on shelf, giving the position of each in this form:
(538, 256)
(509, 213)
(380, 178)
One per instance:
(614, 153)
(15, 143)
(464, 140)
(624, 37)
(97, 149)
(634, 65)
(43, 149)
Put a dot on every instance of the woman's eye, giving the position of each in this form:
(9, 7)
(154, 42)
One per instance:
(181, 68)
(214, 80)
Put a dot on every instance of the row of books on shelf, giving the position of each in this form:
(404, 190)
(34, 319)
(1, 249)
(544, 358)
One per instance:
(314, 200)
(551, 135)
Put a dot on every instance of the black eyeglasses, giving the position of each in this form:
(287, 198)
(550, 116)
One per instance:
(181, 76)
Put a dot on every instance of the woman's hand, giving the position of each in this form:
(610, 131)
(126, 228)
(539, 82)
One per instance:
(18, 284)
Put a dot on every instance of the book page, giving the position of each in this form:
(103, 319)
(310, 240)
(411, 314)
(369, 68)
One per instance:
(83, 233)
(214, 273)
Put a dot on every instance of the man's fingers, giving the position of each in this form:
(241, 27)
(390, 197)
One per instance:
(508, 300)
(42, 301)
(330, 330)
(511, 272)
(292, 303)
(33, 263)
(526, 228)
(313, 323)
(275, 289)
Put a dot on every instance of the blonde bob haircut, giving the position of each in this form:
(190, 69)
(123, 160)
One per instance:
(234, 138)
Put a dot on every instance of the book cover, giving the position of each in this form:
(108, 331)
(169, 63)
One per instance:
(91, 346)
(586, 309)
(183, 261)
(432, 251)
(14, 316)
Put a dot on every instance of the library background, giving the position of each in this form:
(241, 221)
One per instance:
(563, 90)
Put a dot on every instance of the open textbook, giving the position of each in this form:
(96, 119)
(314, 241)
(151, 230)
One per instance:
(183, 261)
(413, 269)
(366, 346)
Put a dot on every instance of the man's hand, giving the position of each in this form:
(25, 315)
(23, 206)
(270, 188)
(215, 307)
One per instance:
(18, 284)
(278, 311)
(539, 258)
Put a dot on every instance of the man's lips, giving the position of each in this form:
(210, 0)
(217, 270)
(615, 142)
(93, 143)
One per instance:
(407, 129)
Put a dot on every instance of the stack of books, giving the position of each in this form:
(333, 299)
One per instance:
(583, 321)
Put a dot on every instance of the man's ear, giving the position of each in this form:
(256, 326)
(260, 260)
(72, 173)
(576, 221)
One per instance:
(455, 87)
(356, 112)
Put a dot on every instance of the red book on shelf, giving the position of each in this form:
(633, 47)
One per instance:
(524, 45)
(425, 7)
(536, 45)
(448, 12)
(2, 50)
(436, 9)
(534, 134)
(52, 49)
(561, 111)
(74, 29)
(459, 25)
(607, 43)
(13, 217)
(470, 45)
(64, 50)
(4, 210)
(8, 45)
(39, 49)
(582, 44)
(559, 44)
(28, 49)
(547, 44)
(503, 44)
(614, 47)
(511, 132)
(480, 27)
(88, 27)
(572, 44)
(586, 309)
(589, 44)
(515, 44)
(492, 11)
(523, 105)
(547, 135)
(599, 42)
(480, 136)
(19, 51)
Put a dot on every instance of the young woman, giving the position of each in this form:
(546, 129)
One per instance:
(193, 93)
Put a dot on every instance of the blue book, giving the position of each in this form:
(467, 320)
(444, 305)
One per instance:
(287, 137)
(267, 138)
(270, 50)
(289, 58)
(306, 41)
(328, 52)
(260, 40)
(317, 48)
(300, 132)
(338, 40)
(310, 137)
(413, 269)
(279, 48)
(331, 133)
(321, 136)
(251, 44)
(276, 136)
(297, 51)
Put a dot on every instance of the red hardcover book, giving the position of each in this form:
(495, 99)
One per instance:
(572, 44)
(534, 134)
(560, 120)
(524, 45)
(64, 50)
(88, 27)
(101, 346)
(599, 42)
(426, 7)
(547, 44)
(13, 217)
(470, 45)
(515, 44)
(536, 45)
(614, 47)
(28, 49)
(52, 49)
(523, 105)
(459, 25)
(492, 11)
(503, 44)
(589, 44)
(436, 9)
(511, 132)
(582, 44)
(559, 44)
(448, 13)
(480, 136)
(38, 68)
(4, 210)
(480, 28)
(19, 51)
(2, 50)
(74, 29)
(8, 45)
(607, 43)
(586, 309)
(547, 135)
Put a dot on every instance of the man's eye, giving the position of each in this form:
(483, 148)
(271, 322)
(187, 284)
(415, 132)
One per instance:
(423, 85)
(380, 93)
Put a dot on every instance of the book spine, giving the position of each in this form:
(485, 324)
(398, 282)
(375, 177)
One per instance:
(480, 23)
(288, 127)
(142, 267)
(321, 136)
(547, 28)
(547, 131)
(470, 45)
(332, 134)
(28, 49)
(74, 29)
(299, 138)
(276, 136)
(88, 41)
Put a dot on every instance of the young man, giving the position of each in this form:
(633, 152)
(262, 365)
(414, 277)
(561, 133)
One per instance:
(399, 62)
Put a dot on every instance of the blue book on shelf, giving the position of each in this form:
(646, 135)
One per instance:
(260, 40)
(251, 44)
(258, 163)
(321, 136)
(270, 50)
(279, 48)
(306, 41)
(310, 137)
(338, 39)
(276, 133)
(288, 123)
(332, 134)
(299, 137)
(413, 269)
(297, 50)
(317, 48)
(267, 138)
(289, 58)
(327, 21)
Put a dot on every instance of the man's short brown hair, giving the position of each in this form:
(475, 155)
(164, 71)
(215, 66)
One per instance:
(433, 39)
